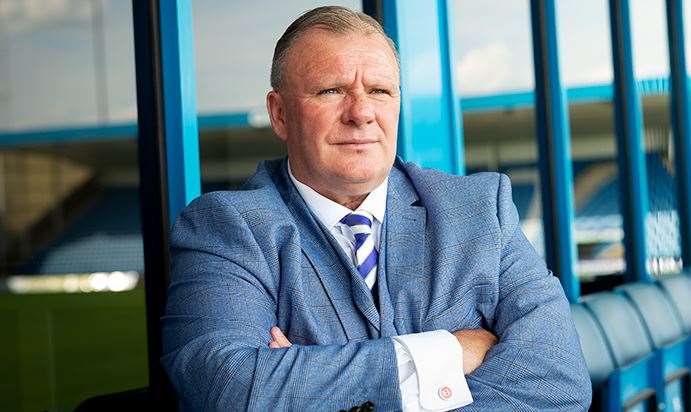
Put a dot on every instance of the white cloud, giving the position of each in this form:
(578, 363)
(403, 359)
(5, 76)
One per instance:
(24, 15)
(485, 69)
(649, 36)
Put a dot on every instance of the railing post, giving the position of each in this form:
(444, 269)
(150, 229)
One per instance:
(554, 148)
(630, 147)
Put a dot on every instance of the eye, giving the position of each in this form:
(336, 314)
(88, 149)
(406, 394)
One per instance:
(380, 91)
(332, 90)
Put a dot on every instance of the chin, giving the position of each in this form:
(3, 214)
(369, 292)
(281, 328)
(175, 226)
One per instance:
(362, 169)
(366, 178)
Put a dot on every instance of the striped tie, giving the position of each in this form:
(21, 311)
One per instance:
(360, 224)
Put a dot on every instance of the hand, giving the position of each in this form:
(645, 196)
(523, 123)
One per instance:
(475, 343)
(278, 339)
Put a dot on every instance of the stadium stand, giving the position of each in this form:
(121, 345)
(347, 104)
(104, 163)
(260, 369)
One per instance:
(666, 335)
(634, 383)
(597, 357)
(105, 238)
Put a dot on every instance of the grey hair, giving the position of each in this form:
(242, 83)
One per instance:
(335, 19)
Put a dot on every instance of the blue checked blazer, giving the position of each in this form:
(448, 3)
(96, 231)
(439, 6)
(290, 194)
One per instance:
(452, 257)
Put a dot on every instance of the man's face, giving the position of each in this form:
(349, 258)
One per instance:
(337, 110)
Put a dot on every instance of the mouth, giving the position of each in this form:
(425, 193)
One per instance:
(356, 142)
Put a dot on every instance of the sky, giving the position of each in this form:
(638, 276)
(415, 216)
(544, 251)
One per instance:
(50, 76)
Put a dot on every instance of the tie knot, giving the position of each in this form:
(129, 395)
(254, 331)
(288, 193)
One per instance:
(358, 218)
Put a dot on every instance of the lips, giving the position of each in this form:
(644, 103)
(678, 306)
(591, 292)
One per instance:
(356, 142)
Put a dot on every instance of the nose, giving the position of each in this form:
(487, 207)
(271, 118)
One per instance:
(359, 110)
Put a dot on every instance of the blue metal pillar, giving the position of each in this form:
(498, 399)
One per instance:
(430, 131)
(630, 146)
(681, 122)
(180, 104)
(168, 156)
(553, 134)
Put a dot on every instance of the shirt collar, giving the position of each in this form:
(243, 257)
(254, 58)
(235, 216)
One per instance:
(330, 213)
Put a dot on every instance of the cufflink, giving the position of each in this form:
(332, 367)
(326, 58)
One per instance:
(445, 393)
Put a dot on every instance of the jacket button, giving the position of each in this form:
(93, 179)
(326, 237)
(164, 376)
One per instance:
(445, 393)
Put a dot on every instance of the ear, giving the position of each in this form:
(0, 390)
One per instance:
(275, 107)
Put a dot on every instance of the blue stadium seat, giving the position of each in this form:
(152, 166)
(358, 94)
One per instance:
(599, 214)
(105, 238)
(605, 201)
(635, 383)
(668, 338)
(678, 290)
(597, 357)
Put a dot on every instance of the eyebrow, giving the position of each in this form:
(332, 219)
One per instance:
(335, 81)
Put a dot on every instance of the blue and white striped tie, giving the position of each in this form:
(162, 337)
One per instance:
(360, 224)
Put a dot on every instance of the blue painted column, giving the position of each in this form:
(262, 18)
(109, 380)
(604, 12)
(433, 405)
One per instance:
(630, 147)
(179, 104)
(681, 122)
(430, 131)
(553, 136)
(168, 157)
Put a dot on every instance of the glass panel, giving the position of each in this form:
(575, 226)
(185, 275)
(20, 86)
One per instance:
(495, 75)
(71, 296)
(649, 36)
(651, 64)
(586, 51)
(586, 60)
(493, 60)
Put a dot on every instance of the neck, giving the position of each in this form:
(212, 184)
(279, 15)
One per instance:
(352, 202)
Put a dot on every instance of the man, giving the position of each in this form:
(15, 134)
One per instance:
(342, 275)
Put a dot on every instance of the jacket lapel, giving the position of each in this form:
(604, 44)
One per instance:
(405, 246)
(335, 270)
(362, 297)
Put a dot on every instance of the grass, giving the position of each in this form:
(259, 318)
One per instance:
(57, 350)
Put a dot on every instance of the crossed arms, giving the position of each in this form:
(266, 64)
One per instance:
(221, 308)
(475, 344)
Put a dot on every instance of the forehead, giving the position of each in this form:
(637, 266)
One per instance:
(324, 54)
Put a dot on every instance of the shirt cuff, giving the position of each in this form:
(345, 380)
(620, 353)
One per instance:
(430, 372)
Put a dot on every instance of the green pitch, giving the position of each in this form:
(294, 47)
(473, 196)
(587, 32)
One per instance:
(58, 349)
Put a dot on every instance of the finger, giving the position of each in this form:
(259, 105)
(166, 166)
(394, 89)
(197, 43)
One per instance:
(275, 345)
(279, 337)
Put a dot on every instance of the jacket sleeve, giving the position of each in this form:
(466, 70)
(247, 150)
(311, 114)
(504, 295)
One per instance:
(537, 363)
(221, 305)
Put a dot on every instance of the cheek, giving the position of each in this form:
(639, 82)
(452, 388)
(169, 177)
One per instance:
(388, 118)
(317, 123)
(391, 131)
(322, 111)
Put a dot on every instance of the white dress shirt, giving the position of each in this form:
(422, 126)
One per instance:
(427, 379)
